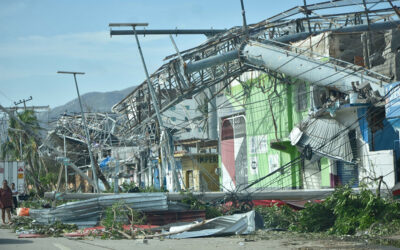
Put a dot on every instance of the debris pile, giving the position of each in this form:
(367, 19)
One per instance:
(135, 216)
(87, 213)
(26, 227)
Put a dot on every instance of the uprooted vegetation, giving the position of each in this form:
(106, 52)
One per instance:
(118, 215)
(28, 225)
(196, 204)
(344, 212)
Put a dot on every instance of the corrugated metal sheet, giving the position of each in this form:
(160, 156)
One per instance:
(88, 212)
(318, 133)
(223, 225)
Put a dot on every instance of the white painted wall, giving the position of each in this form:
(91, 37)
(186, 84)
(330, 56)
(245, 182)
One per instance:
(13, 172)
(312, 175)
(378, 163)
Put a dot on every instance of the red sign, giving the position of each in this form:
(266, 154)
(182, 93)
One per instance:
(20, 170)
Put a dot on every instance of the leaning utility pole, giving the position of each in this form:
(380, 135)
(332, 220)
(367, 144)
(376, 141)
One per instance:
(164, 132)
(24, 101)
(86, 128)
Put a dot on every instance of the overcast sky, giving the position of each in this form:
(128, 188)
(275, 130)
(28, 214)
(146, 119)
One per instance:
(38, 38)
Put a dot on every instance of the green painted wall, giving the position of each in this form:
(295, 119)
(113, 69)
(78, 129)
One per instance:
(325, 173)
(264, 103)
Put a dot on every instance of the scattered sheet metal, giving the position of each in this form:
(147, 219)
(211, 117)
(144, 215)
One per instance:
(223, 225)
(325, 136)
(88, 212)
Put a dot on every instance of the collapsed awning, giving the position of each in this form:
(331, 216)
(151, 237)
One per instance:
(326, 137)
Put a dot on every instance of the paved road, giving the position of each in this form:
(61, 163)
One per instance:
(9, 240)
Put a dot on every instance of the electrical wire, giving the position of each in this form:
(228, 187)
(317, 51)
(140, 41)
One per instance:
(274, 181)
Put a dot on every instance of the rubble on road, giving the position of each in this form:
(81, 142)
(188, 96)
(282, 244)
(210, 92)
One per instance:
(237, 224)
(135, 216)
(87, 213)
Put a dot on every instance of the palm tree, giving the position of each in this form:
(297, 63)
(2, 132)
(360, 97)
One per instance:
(19, 146)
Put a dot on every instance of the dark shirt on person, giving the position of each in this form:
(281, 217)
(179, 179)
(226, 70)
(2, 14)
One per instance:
(5, 198)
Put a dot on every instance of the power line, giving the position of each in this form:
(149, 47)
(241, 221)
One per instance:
(329, 141)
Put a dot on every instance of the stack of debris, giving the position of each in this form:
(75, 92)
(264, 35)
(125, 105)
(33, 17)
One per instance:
(87, 213)
(165, 220)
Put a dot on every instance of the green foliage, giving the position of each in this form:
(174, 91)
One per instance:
(356, 212)
(48, 179)
(152, 189)
(196, 204)
(127, 187)
(316, 217)
(277, 217)
(344, 212)
(22, 146)
(56, 229)
(212, 212)
(116, 216)
(33, 203)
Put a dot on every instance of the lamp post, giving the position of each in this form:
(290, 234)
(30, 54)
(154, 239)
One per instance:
(168, 147)
(85, 126)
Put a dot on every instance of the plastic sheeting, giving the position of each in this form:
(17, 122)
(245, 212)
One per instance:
(223, 225)
(88, 212)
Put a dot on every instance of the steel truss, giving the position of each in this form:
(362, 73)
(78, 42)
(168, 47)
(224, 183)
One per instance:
(219, 57)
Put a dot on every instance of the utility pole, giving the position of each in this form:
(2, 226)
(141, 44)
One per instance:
(20, 140)
(307, 12)
(65, 164)
(167, 145)
(86, 127)
(116, 173)
(24, 101)
(245, 29)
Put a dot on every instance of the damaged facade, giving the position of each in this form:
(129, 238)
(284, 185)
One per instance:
(279, 106)
(267, 122)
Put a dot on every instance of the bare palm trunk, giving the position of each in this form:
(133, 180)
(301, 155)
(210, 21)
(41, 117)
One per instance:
(36, 181)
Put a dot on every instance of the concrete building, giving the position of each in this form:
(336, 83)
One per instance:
(267, 121)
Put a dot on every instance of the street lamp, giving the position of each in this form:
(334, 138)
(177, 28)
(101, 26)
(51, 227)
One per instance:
(164, 132)
(85, 125)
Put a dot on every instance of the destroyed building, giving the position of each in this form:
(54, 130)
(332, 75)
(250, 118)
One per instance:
(296, 101)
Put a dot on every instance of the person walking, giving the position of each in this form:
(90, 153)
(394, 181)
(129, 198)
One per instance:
(5, 202)
(14, 191)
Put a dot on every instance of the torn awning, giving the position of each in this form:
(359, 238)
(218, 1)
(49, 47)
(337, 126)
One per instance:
(326, 137)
